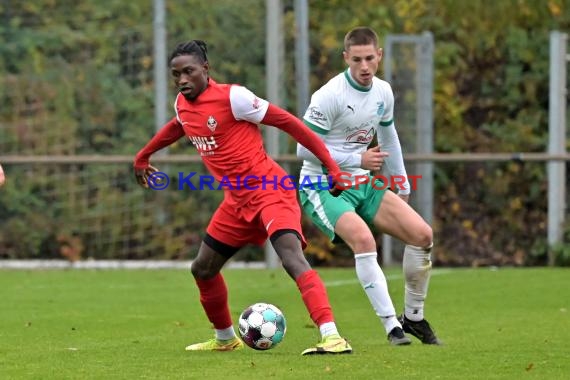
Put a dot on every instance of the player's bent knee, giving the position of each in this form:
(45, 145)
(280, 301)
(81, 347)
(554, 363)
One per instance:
(295, 264)
(359, 241)
(294, 260)
(363, 242)
(425, 236)
(202, 272)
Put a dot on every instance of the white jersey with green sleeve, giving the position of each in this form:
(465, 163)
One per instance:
(346, 116)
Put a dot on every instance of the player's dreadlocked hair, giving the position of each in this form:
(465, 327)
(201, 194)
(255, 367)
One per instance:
(362, 35)
(196, 48)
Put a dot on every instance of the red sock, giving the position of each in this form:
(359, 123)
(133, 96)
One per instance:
(315, 297)
(214, 299)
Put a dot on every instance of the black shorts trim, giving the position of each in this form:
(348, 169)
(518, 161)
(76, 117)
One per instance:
(277, 234)
(222, 248)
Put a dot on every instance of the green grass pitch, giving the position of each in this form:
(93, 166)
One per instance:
(134, 324)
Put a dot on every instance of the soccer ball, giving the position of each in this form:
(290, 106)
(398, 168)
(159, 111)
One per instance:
(262, 326)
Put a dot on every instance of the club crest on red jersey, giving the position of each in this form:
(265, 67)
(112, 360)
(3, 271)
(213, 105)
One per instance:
(212, 123)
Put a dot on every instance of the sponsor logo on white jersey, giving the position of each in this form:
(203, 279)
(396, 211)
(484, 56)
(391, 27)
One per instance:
(362, 136)
(316, 115)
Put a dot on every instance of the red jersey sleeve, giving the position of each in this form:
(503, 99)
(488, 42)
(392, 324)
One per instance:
(168, 134)
(285, 121)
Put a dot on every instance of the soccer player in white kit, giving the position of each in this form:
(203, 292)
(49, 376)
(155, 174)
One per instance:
(347, 112)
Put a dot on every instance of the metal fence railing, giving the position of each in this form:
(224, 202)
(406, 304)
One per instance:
(91, 207)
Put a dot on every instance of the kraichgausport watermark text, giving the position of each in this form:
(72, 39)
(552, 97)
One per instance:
(199, 182)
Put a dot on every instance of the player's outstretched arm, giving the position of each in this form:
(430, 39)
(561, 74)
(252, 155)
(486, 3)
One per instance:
(343, 159)
(285, 121)
(168, 134)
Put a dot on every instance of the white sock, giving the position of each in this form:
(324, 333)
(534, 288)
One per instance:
(225, 334)
(327, 329)
(390, 322)
(375, 286)
(417, 265)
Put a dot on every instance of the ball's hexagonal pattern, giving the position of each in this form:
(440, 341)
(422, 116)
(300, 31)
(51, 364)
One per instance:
(262, 326)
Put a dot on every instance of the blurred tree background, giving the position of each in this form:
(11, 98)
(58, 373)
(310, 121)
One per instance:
(77, 78)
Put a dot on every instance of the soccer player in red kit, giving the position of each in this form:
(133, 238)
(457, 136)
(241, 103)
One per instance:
(221, 120)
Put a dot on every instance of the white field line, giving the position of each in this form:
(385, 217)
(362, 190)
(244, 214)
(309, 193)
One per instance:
(115, 264)
(158, 264)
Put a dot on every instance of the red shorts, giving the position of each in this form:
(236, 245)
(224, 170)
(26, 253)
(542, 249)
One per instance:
(252, 223)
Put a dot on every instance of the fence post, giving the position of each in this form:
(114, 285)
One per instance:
(423, 144)
(556, 141)
(274, 53)
(160, 67)
(424, 140)
(302, 68)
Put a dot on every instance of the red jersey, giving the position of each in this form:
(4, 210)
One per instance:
(222, 123)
